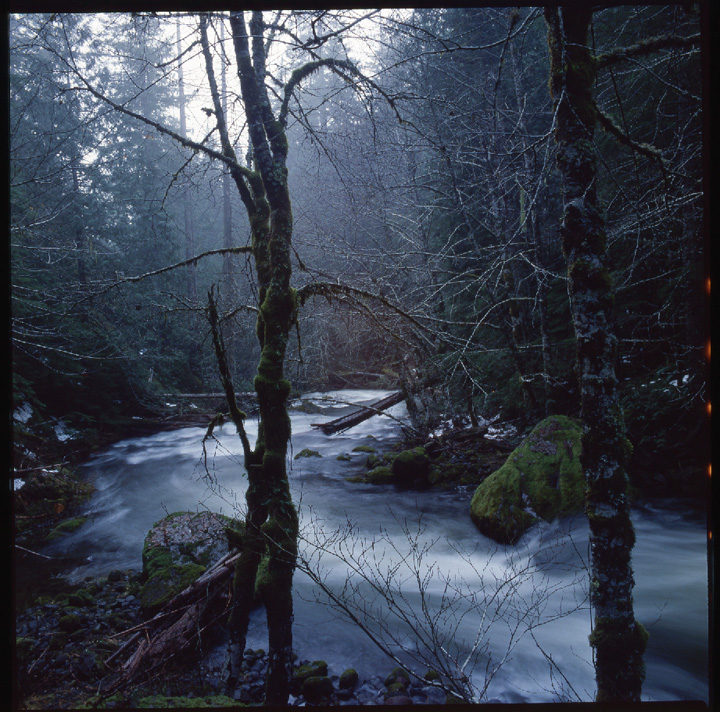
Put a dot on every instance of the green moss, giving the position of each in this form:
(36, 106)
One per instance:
(398, 676)
(542, 478)
(317, 689)
(411, 467)
(364, 448)
(69, 525)
(163, 702)
(317, 668)
(167, 583)
(344, 457)
(81, 599)
(348, 680)
(306, 452)
(234, 533)
(165, 577)
(380, 476)
(395, 689)
(23, 649)
(619, 650)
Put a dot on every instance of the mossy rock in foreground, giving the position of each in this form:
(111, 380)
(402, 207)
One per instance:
(177, 550)
(541, 479)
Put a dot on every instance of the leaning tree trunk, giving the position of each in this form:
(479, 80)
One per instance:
(617, 638)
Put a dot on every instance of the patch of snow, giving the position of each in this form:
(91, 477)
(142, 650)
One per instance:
(18, 484)
(23, 413)
(501, 432)
(63, 432)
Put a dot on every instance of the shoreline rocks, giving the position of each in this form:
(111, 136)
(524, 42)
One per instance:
(64, 648)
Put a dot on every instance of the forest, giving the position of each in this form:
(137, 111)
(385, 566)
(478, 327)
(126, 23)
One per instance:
(229, 228)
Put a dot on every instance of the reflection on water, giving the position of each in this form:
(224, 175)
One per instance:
(141, 480)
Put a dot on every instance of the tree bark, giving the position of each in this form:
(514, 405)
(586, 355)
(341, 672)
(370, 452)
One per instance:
(617, 638)
(272, 517)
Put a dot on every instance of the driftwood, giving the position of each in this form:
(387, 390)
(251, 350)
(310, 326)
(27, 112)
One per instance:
(365, 412)
(174, 629)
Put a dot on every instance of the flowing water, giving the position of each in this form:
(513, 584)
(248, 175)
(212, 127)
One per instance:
(528, 602)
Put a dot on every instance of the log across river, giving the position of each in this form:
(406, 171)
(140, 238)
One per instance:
(346, 422)
(139, 480)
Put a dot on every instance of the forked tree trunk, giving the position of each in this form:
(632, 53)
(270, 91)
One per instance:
(617, 638)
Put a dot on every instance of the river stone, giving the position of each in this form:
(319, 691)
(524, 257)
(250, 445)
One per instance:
(317, 689)
(542, 479)
(317, 668)
(177, 550)
(411, 467)
(348, 680)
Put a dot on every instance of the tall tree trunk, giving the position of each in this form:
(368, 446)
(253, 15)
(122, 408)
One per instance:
(188, 224)
(617, 638)
(271, 513)
(228, 266)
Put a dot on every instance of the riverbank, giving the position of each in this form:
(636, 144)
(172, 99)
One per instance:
(66, 645)
(139, 479)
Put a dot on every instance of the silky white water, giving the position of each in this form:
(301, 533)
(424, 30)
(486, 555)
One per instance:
(541, 581)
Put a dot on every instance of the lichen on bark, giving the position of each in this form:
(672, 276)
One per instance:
(617, 639)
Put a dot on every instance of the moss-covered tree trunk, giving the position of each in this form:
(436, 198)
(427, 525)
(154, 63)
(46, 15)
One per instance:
(271, 518)
(617, 638)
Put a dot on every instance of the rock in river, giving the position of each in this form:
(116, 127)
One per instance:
(541, 479)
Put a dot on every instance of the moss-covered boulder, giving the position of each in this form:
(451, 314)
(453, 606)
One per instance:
(541, 479)
(364, 448)
(398, 676)
(317, 668)
(380, 476)
(348, 680)
(411, 467)
(177, 550)
(318, 690)
(307, 452)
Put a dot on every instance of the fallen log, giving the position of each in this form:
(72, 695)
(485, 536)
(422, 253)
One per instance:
(173, 629)
(364, 412)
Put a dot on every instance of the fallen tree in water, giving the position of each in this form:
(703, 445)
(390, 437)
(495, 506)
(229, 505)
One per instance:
(362, 414)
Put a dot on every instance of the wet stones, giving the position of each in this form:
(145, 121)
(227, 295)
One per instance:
(68, 638)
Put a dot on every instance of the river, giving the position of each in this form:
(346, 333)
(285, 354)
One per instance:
(523, 599)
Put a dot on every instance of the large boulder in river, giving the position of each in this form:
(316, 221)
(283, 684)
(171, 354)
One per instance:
(541, 479)
(177, 550)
